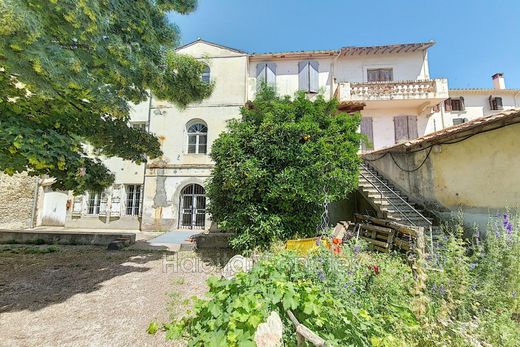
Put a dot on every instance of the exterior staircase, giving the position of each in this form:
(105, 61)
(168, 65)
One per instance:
(388, 201)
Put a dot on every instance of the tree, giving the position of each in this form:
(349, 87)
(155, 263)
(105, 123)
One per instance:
(277, 166)
(68, 70)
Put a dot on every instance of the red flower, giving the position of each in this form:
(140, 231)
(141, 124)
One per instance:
(336, 241)
(374, 268)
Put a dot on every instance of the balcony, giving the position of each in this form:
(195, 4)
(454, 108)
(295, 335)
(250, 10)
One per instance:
(419, 94)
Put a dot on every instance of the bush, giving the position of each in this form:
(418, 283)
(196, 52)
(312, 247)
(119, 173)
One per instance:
(364, 299)
(277, 166)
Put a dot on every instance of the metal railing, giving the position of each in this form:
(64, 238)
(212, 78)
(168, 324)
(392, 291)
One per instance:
(374, 176)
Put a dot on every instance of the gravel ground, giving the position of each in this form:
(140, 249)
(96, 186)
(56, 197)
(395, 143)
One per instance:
(88, 296)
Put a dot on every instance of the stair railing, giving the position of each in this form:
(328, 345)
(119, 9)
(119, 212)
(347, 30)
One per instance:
(393, 192)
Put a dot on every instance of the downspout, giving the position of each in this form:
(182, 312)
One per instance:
(35, 202)
(442, 114)
(516, 104)
(332, 74)
(141, 203)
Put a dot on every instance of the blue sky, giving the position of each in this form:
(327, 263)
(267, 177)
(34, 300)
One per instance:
(474, 38)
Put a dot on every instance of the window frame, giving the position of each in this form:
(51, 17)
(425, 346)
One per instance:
(93, 203)
(379, 70)
(205, 76)
(133, 200)
(197, 135)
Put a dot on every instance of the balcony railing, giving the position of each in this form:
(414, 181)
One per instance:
(394, 90)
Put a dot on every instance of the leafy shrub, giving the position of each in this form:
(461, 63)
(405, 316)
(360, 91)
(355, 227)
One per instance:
(359, 298)
(276, 167)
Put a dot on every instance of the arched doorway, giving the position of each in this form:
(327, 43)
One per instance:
(192, 207)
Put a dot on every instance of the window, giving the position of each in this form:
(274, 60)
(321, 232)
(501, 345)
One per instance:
(197, 138)
(495, 103)
(139, 125)
(405, 128)
(308, 76)
(436, 108)
(133, 199)
(454, 105)
(93, 203)
(265, 73)
(206, 74)
(380, 75)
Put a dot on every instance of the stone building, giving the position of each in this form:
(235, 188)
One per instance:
(390, 85)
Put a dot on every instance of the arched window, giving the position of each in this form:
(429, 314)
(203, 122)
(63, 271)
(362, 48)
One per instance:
(206, 74)
(197, 138)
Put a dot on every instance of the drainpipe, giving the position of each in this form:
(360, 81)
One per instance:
(141, 203)
(516, 104)
(441, 107)
(332, 73)
(35, 201)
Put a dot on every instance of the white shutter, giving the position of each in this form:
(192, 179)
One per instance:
(115, 208)
(77, 207)
(271, 74)
(303, 75)
(314, 78)
(103, 201)
(260, 74)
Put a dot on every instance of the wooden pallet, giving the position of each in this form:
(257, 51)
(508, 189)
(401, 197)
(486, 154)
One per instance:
(386, 235)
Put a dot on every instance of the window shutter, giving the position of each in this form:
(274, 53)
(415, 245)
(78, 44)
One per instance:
(103, 202)
(303, 75)
(498, 103)
(115, 207)
(314, 78)
(462, 106)
(271, 74)
(77, 207)
(412, 127)
(260, 74)
(401, 128)
(447, 105)
(367, 129)
(491, 103)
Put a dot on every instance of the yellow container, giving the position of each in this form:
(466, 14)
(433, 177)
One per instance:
(304, 246)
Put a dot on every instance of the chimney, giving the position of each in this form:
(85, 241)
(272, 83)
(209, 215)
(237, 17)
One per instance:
(498, 81)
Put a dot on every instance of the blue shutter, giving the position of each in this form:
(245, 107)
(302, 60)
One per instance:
(314, 78)
(260, 75)
(303, 75)
(271, 74)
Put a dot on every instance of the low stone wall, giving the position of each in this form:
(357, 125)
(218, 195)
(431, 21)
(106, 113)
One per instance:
(213, 240)
(61, 238)
(16, 201)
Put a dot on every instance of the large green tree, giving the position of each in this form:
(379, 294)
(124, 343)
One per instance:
(68, 70)
(279, 165)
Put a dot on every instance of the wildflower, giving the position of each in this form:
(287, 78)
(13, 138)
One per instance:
(374, 268)
(321, 275)
(318, 241)
(357, 249)
(509, 228)
(513, 294)
(336, 241)
(472, 266)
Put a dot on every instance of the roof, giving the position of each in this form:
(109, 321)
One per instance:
(349, 51)
(199, 40)
(461, 131)
(387, 49)
(483, 91)
(295, 54)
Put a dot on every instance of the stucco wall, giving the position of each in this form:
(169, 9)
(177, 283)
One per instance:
(409, 66)
(478, 176)
(476, 106)
(16, 201)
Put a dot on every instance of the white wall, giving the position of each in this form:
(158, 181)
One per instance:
(476, 106)
(409, 66)
(287, 76)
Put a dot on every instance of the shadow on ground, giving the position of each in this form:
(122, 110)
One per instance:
(34, 280)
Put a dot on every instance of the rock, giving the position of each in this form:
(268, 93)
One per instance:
(269, 334)
(235, 265)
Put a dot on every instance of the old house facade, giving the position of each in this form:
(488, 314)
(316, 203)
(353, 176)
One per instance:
(390, 85)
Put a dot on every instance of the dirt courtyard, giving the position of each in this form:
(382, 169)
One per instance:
(88, 296)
